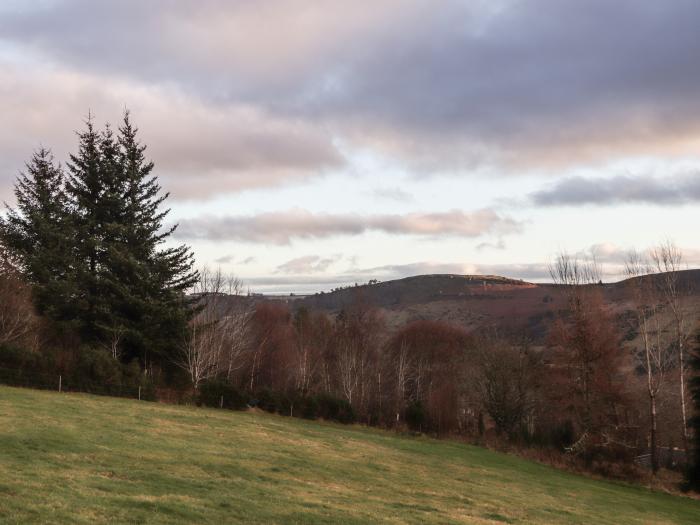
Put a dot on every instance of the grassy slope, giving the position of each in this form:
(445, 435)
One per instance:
(71, 458)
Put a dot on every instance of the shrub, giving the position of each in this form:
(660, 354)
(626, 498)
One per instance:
(267, 400)
(212, 393)
(416, 416)
(96, 371)
(334, 409)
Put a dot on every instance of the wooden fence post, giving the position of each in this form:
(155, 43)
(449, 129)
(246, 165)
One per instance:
(139, 392)
(59, 383)
(221, 402)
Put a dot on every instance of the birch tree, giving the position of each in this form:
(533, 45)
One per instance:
(667, 260)
(654, 356)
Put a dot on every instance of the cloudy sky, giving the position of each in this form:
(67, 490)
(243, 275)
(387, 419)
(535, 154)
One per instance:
(309, 143)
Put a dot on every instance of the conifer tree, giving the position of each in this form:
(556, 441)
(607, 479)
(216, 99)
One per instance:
(38, 235)
(159, 276)
(94, 244)
(134, 289)
(86, 188)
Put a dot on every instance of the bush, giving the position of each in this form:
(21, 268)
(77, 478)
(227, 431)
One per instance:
(309, 407)
(268, 400)
(416, 416)
(20, 366)
(334, 409)
(212, 393)
(96, 371)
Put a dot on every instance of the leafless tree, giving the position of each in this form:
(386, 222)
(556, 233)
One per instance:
(655, 356)
(506, 377)
(667, 260)
(116, 333)
(348, 367)
(403, 366)
(219, 332)
(17, 317)
(575, 278)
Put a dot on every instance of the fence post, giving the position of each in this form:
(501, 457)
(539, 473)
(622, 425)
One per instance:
(59, 383)
(139, 392)
(221, 402)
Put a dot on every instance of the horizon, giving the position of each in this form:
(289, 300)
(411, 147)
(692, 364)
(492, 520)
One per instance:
(308, 145)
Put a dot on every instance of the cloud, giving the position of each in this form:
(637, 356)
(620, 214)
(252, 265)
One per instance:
(232, 259)
(394, 193)
(572, 191)
(283, 227)
(199, 149)
(308, 264)
(516, 83)
(499, 245)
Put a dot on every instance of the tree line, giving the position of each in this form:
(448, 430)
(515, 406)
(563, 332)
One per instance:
(93, 286)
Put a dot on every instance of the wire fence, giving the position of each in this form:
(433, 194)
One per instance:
(63, 383)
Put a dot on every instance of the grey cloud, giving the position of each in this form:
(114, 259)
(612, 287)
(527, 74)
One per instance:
(283, 227)
(395, 194)
(232, 259)
(520, 81)
(308, 264)
(199, 150)
(680, 189)
(499, 245)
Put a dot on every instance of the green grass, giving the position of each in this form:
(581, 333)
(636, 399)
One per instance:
(73, 458)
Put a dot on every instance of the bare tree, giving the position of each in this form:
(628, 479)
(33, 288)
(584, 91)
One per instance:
(667, 260)
(17, 317)
(304, 361)
(575, 278)
(403, 366)
(587, 349)
(506, 377)
(348, 368)
(654, 356)
(116, 332)
(218, 334)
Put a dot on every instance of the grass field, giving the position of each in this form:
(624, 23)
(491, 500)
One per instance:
(73, 458)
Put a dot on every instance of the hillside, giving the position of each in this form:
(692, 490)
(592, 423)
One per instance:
(474, 300)
(72, 458)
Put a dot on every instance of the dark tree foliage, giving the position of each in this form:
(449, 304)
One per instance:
(693, 473)
(92, 243)
(38, 236)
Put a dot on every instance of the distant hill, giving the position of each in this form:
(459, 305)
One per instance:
(475, 300)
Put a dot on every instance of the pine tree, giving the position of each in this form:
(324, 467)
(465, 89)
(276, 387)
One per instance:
(134, 290)
(38, 235)
(94, 244)
(86, 190)
(160, 275)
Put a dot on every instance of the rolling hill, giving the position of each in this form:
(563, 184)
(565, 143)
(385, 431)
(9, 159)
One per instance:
(75, 458)
(472, 301)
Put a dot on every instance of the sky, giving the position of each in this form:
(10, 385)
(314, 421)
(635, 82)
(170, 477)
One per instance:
(310, 144)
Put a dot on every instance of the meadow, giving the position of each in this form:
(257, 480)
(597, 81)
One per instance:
(77, 458)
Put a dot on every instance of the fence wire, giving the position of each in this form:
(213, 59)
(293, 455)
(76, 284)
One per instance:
(60, 383)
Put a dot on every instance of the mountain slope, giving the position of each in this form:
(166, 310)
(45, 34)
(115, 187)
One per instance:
(73, 458)
(472, 300)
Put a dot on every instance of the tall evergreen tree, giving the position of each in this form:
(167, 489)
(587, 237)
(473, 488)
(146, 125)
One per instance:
(135, 288)
(86, 190)
(159, 275)
(38, 233)
(94, 244)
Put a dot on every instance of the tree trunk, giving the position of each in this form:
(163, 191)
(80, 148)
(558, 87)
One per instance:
(684, 416)
(653, 445)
